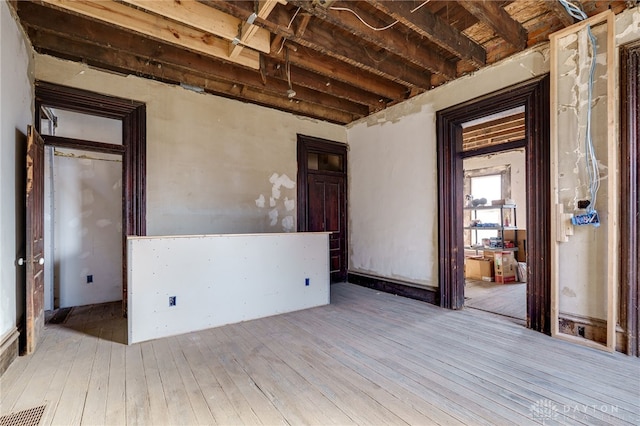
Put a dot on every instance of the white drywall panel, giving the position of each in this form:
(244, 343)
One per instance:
(16, 112)
(221, 279)
(87, 195)
(210, 160)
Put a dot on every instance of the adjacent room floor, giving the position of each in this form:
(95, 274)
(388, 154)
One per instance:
(368, 358)
(509, 300)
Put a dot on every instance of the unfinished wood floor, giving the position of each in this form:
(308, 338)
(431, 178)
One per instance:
(503, 299)
(368, 358)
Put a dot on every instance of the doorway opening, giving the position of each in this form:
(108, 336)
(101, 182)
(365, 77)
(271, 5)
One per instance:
(495, 235)
(531, 100)
(83, 211)
(98, 169)
(322, 197)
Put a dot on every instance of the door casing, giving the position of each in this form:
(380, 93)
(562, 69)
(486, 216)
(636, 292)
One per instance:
(307, 145)
(534, 96)
(133, 149)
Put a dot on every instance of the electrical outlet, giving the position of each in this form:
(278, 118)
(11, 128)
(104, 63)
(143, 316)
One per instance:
(89, 279)
(306, 281)
(172, 301)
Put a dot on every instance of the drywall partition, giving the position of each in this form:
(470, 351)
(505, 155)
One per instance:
(187, 283)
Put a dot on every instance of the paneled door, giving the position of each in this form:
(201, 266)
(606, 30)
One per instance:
(34, 258)
(322, 197)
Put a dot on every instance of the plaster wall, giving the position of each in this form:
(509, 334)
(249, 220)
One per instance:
(16, 112)
(214, 165)
(393, 177)
(392, 170)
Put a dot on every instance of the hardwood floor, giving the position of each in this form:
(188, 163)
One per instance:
(509, 300)
(368, 358)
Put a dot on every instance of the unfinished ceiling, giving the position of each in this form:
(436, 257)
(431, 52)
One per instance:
(331, 60)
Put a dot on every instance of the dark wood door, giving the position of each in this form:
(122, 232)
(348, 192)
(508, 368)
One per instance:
(34, 259)
(327, 204)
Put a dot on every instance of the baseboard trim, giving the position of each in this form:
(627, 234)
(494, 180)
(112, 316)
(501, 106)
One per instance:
(8, 350)
(396, 287)
(589, 328)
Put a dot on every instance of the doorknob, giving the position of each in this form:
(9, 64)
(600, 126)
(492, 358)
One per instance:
(21, 261)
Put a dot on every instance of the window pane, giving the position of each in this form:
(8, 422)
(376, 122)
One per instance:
(75, 125)
(326, 162)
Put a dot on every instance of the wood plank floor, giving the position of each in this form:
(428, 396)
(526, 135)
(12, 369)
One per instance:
(368, 358)
(509, 300)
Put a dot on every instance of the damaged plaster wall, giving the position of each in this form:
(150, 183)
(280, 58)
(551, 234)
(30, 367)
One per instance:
(16, 113)
(393, 178)
(208, 158)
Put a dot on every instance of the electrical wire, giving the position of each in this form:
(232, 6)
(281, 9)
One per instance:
(288, 26)
(346, 9)
(590, 155)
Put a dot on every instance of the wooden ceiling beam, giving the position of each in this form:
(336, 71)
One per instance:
(560, 12)
(212, 21)
(434, 29)
(391, 40)
(248, 30)
(490, 12)
(393, 68)
(120, 15)
(126, 63)
(332, 42)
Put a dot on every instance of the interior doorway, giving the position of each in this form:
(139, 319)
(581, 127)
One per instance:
(532, 98)
(495, 224)
(116, 164)
(83, 210)
(322, 197)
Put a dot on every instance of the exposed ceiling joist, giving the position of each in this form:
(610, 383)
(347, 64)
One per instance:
(212, 21)
(490, 12)
(249, 30)
(157, 27)
(392, 41)
(560, 12)
(433, 28)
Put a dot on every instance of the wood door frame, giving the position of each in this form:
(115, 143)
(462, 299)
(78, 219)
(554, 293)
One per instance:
(629, 199)
(311, 144)
(134, 130)
(534, 96)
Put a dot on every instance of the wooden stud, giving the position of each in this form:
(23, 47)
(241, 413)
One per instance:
(499, 20)
(250, 31)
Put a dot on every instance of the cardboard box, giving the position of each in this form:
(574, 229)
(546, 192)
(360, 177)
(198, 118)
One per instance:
(479, 268)
(505, 267)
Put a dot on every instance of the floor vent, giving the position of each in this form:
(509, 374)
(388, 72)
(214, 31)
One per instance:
(30, 417)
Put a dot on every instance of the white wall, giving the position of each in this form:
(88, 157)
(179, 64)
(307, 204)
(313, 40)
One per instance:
(87, 189)
(83, 203)
(392, 172)
(209, 159)
(221, 279)
(16, 98)
(393, 200)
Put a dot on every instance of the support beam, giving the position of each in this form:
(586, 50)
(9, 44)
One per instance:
(249, 30)
(560, 12)
(120, 15)
(434, 28)
(498, 20)
(389, 40)
(210, 20)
